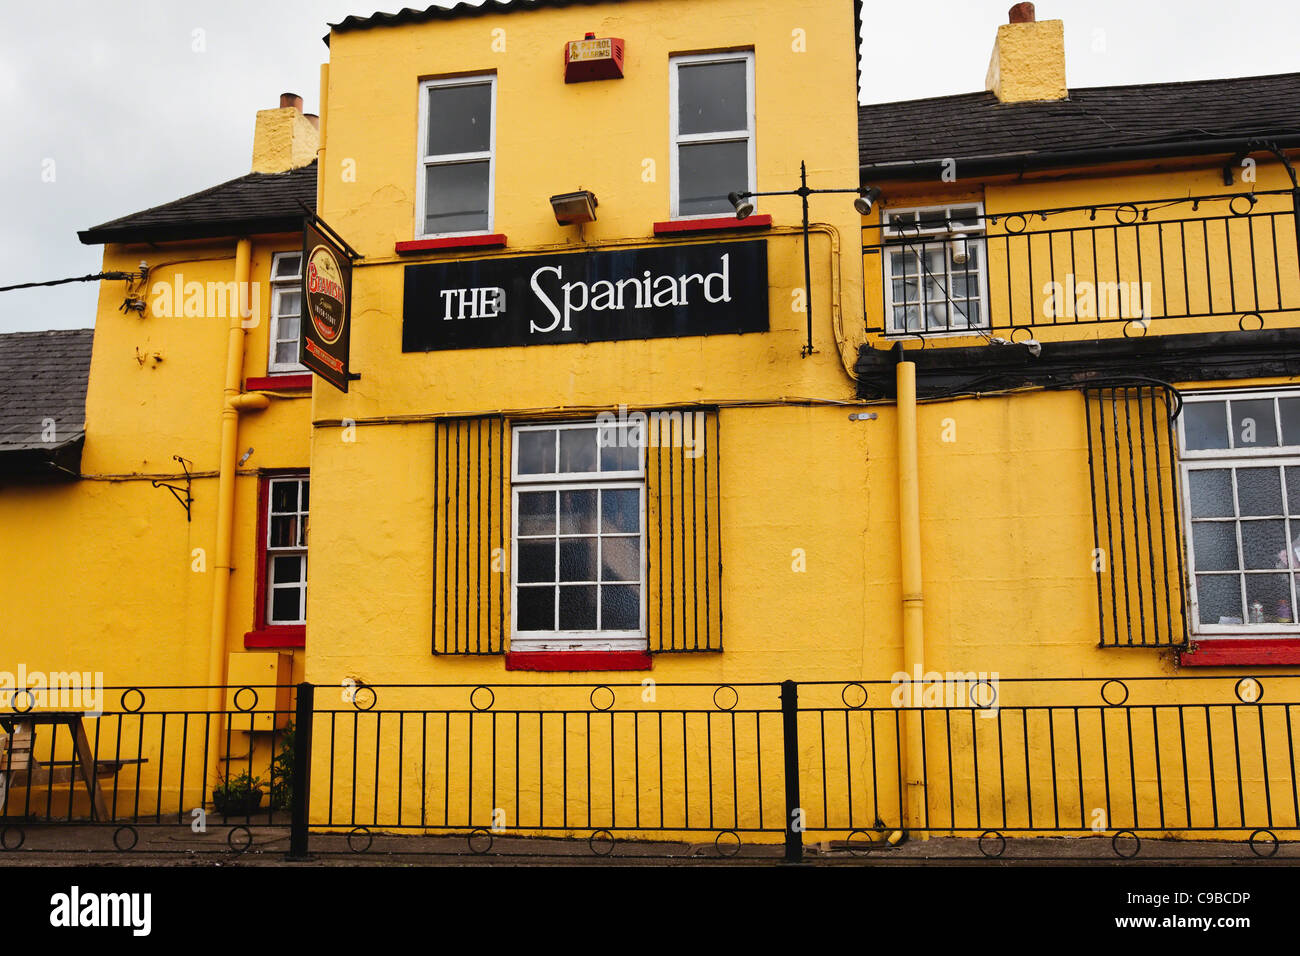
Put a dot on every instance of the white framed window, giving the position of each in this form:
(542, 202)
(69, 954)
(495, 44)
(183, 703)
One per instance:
(286, 550)
(578, 568)
(711, 104)
(286, 313)
(456, 176)
(935, 270)
(1240, 459)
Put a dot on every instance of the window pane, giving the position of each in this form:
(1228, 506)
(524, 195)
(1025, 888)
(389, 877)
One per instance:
(620, 510)
(286, 331)
(1268, 599)
(536, 452)
(620, 608)
(287, 265)
(289, 303)
(1205, 425)
(1219, 598)
(1214, 546)
(535, 609)
(713, 97)
(578, 608)
(285, 604)
(286, 353)
(1290, 420)
(707, 172)
(620, 448)
(578, 511)
(1263, 544)
(537, 561)
(1211, 492)
(287, 570)
(460, 119)
(306, 493)
(284, 496)
(578, 559)
(456, 197)
(284, 532)
(577, 450)
(1259, 491)
(536, 512)
(1253, 424)
(620, 559)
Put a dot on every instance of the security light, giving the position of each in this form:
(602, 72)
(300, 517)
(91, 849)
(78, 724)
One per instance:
(866, 199)
(574, 208)
(744, 206)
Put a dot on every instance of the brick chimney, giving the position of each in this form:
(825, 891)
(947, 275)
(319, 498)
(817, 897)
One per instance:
(284, 138)
(1028, 61)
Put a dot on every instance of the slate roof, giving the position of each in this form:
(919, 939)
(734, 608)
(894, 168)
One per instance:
(1146, 120)
(43, 375)
(256, 203)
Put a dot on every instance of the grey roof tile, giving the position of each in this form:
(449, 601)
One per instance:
(43, 376)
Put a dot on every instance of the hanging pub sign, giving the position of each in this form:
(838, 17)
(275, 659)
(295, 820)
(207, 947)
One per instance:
(324, 331)
(657, 292)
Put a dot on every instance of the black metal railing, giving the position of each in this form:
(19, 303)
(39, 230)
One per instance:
(856, 765)
(1137, 556)
(1131, 264)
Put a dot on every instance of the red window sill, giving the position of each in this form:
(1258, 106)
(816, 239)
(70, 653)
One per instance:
(676, 227)
(1265, 652)
(280, 635)
(493, 241)
(578, 661)
(274, 382)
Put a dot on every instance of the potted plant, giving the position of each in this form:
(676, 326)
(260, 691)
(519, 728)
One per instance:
(237, 796)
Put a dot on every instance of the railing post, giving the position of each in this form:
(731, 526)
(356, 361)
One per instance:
(301, 796)
(790, 739)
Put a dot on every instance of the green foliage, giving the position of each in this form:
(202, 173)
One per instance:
(240, 794)
(282, 772)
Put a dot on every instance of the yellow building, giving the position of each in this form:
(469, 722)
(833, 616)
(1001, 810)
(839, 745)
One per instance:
(948, 494)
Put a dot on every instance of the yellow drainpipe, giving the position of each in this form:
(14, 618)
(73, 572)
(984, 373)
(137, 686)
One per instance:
(231, 405)
(909, 526)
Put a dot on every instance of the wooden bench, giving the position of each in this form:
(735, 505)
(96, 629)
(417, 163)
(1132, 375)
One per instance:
(19, 768)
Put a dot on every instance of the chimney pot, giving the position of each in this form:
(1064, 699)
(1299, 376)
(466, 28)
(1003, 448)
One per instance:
(291, 99)
(1021, 13)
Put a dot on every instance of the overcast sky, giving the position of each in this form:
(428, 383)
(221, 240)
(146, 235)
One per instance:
(127, 104)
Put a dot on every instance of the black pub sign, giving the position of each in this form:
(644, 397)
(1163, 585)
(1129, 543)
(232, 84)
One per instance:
(597, 296)
(324, 334)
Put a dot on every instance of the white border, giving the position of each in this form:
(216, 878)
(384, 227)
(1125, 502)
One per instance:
(278, 287)
(930, 236)
(424, 160)
(1231, 459)
(676, 139)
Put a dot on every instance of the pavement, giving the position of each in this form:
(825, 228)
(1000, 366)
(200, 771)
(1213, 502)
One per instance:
(175, 844)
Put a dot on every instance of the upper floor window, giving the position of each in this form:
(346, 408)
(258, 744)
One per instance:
(935, 269)
(712, 105)
(286, 313)
(1241, 478)
(457, 146)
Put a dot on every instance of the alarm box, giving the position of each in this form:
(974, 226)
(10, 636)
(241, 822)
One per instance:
(593, 59)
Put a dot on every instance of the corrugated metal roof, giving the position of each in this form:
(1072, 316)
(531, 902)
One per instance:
(256, 203)
(457, 11)
(1159, 116)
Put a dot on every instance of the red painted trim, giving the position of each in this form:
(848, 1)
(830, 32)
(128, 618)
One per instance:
(280, 635)
(675, 227)
(487, 241)
(274, 382)
(578, 661)
(1255, 652)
